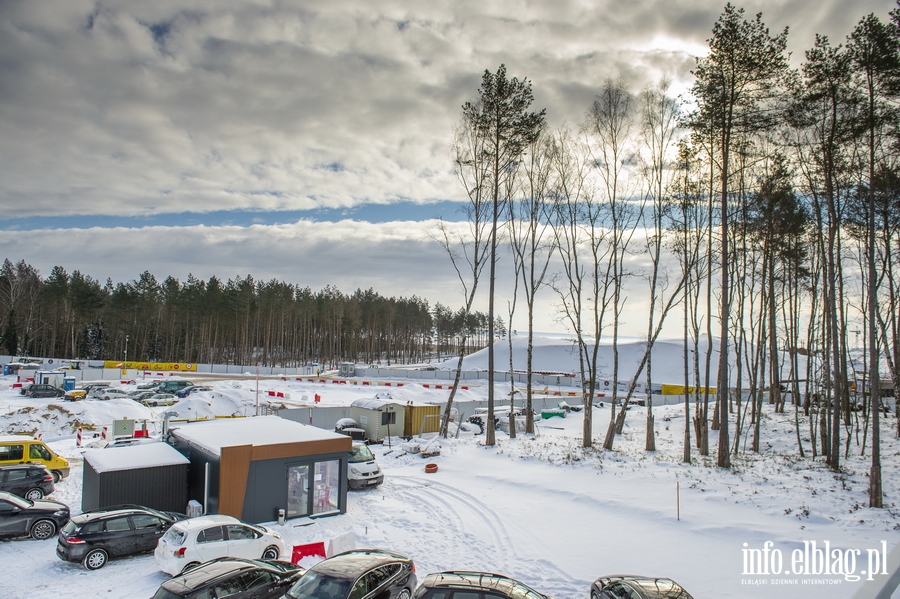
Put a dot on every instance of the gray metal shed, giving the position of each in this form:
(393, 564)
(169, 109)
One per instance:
(154, 475)
(380, 417)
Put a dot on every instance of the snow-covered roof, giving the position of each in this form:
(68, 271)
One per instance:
(150, 455)
(213, 435)
(374, 403)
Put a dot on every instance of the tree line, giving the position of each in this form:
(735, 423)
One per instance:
(766, 204)
(236, 321)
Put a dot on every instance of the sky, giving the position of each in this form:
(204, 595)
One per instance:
(307, 142)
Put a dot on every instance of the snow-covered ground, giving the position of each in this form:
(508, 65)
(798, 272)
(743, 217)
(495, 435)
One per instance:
(542, 509)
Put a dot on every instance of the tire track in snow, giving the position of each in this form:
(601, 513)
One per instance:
(477, 531)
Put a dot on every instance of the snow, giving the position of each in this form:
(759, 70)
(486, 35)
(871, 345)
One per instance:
(262, 430)
(150, 455)
(373, 403)
(541, 509)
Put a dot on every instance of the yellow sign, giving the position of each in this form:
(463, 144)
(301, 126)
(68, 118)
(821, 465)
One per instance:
(679, 390)
(170, 366)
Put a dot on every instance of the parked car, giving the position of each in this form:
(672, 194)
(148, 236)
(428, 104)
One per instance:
(41, 390)
(637, 587)
(362, 469)
(182, 393)
(38, 519)
(160, 399)
(19, 449)
(141, 395)
(95, 389)
(171, 386)
(31, 481)
(460, 583)
(232, 577)
(113, 393)
(501, 418)
(360, 574)
(75, 395)
(94, 537)
(191, 542)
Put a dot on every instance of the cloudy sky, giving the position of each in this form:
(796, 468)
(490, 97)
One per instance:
(303, 141)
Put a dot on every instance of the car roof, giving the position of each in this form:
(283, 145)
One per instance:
(27, 465)
(465, 578)
(110, 512)
(208, 520)
(207, 573)
(351, 564)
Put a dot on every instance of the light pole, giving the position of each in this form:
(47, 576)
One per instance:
(126, 352)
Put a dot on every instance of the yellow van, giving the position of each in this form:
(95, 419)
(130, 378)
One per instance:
(20, 449)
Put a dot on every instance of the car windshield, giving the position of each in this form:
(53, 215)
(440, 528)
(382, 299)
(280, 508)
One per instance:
(69, 529)
(314, 585)
(174, 537)
(163, 593)
(361, 453)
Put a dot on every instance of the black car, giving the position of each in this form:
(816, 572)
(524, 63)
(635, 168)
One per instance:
(39, 519)
(93, 537)
(31, 481)
(637, 587)
(234, 578)
(361, 574)
(42, 390)
(465, 584)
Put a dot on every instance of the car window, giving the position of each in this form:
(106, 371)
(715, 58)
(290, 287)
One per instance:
(211, 535)
(466, 595)
(38, 452)
(12, 452)
(617, 590)
(236, 532)
(91, 527)
(257, 578)
(142, 521)
(378, 576)
(359, 589)
(17, 474)
(228, 587)
(6, 506)
(174, 537)
(117, 524)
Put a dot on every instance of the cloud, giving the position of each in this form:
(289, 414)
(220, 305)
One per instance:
(132, 107)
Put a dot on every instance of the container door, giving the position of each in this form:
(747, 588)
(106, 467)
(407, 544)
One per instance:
(298, 491)
(326, 492)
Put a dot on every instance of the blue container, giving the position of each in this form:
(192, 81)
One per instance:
(68, 383)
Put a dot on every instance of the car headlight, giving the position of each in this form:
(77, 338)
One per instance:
(355, 471)
(61, 513)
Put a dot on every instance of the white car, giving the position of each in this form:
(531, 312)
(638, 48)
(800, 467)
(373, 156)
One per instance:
(189, 543)
(113, 393)
(363, 470)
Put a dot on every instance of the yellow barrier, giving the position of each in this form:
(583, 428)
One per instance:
(679, 390)
(173, 366)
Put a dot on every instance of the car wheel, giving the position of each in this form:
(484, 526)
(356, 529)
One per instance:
(95, 559)
(43, 529)
(34, 494)
(57, 476)
(404, 594)
(594, 595)
(271, 552)
(190, 566)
